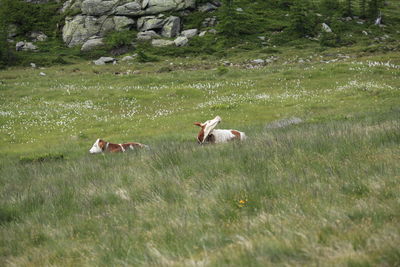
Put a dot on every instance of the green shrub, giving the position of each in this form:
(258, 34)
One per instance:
(143, 57)
(120, 39)
(41, 158)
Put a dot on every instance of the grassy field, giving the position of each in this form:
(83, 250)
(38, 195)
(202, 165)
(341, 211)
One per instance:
(323, 192)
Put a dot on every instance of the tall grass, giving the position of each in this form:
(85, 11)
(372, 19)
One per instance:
(316, 193)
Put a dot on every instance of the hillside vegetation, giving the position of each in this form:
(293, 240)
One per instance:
(323, 192)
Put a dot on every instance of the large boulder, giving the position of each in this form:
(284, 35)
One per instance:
(123, 23)
(92, 44)
(97, 7)
(129, 9)
(171, 27)
(25, 46)
(181, 41)
(79, 29)
(190, 33)
(161, 42)
(149, 23)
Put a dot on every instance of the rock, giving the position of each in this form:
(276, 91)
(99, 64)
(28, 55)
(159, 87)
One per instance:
(127, 58)
(189, 33)
(79, 29)
(104, 60)
(364, 32)
(129, 9)
(19, 46)
(239, 9)
(326, 28)
(25, 46)
(42, 74)
(159, 6)
(283, 123)
(209, 22)
(147, 35)
(122, 23)
(161, 42)
(181, 41)
(262, 38)
(171, 27)
(203, 33)
(97, 7)
(38, 36)
(92, 44)
(33, 65)
(149, 23)
(208, 7)
(258, 61)
(213, 31)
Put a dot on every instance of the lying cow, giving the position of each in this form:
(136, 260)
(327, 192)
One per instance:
(208, 134)
(101, 146)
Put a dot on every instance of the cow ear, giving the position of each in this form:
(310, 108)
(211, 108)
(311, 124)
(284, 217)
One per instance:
(101, 143)
(197, 123)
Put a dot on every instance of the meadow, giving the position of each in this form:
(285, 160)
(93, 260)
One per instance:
(322, 192)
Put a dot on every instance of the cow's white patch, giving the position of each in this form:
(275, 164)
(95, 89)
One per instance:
(96, 148)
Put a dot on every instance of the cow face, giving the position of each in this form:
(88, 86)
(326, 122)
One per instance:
(97, 147)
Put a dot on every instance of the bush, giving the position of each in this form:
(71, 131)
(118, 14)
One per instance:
(41, 158)
(120, 39)
(143, 58)
(303, 20)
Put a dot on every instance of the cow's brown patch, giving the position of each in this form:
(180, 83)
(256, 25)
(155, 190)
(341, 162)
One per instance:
(236, 134)
(102, 144)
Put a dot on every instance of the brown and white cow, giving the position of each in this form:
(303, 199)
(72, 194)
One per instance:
(101, 146)
(208, 134)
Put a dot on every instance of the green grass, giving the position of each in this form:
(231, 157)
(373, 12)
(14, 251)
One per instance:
(324, 192)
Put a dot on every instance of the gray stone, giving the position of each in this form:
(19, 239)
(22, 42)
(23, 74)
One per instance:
(171, 27)
(79, 29)
(161, 42)
(19, 46)
(189, 33)
(213, 31)
(203, 33)
(283, 123)
(92, 44)
(38, 36)
(258, 61)
(181, 41)
(129, 9)
(326, 28)
(149, 23)
(239, 9)
(208, 7)
(147, 35)
(42, 74)
(97, 7)
(127, 58)
(104, 60)
(159, 6)
(122, 23)
(25, 46)
(33, 65)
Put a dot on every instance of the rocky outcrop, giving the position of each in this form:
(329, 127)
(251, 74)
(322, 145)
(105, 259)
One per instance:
(79, 29)
(98, 17)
